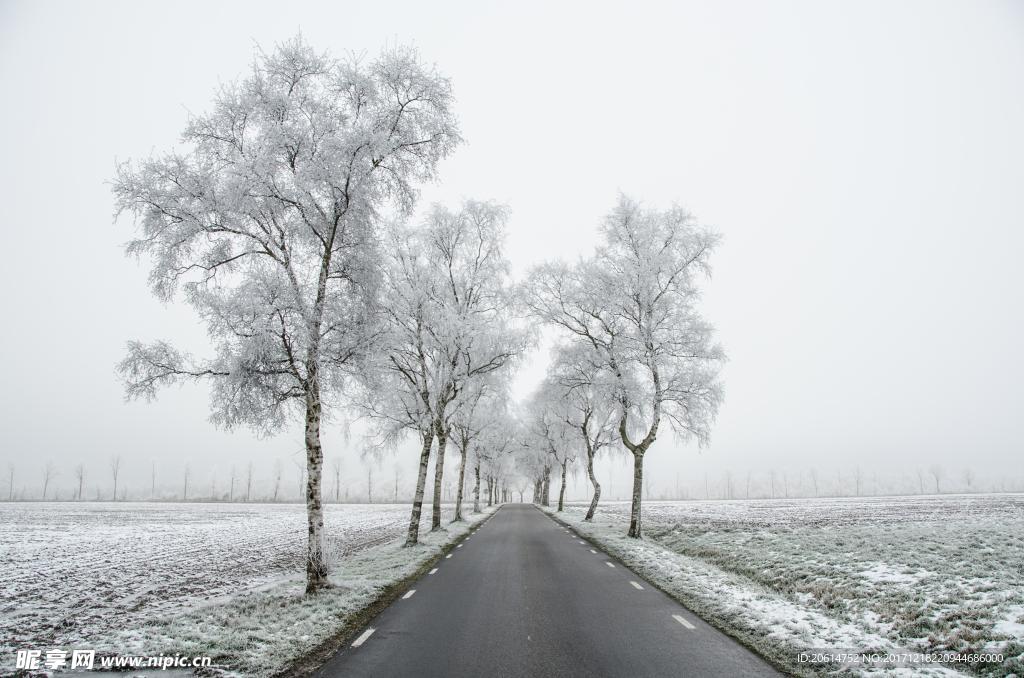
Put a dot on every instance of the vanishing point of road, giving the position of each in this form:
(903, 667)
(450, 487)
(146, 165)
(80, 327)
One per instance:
(523, 597)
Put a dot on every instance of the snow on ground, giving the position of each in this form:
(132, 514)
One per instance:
(215, 578)
(924, 574)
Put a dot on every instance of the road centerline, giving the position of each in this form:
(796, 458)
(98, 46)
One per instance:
(362, 637)
(560, 616)
(679, 618)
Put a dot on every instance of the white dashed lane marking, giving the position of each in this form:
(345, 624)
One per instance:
(682, 621)
(409, 594)
(637, 586)
(448, 556)
(459, 546)
(593, 551)
(362, 638)
(432, 571)
(609, 564)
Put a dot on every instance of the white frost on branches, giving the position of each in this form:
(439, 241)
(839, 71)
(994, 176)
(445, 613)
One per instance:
(267, 222)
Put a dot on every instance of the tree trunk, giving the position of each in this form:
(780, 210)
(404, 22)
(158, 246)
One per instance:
(442, 442)
(561, 492)
(593, 481)
(545, 497)
(638, 486)
(476, 490)
(421, 482)
(462, 482)
(316, 564)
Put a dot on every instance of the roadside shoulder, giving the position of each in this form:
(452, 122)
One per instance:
(279, 631)
(773, 626)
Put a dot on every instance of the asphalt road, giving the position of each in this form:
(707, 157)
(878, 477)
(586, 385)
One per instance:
(522, 597)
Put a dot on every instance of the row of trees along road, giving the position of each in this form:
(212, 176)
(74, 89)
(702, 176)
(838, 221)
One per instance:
(635, 351)
(283, 221)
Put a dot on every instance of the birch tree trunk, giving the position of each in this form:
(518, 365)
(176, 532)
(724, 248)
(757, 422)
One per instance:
(476, 489)
(413, 535)
(316, 565)
(593, 481)
(561, 492)
(462, 482)
(638, 486)
(442, 442)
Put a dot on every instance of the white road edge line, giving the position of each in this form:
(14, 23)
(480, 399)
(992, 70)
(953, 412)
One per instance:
(593, 551)
(362, 639)
(682, 621)
(432, 571)
(609, 564)
(637, 586)
(409, 594)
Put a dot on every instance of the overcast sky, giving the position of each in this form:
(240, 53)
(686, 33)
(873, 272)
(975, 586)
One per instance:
(863, 161)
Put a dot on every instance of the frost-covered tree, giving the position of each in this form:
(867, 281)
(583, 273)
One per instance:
(635, 303)
(501, 465)
(446, 303)
(478, 411)
(491, 450)
(937, 473)
(49, 473)
(115, 471)
(267, 221)
(551, 432)
(278, 470)
(80, 477)
(336, 470)
(532, 459)
(586, 393)
(466, 424)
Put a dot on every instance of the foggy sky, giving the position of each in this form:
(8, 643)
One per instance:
(862, 161)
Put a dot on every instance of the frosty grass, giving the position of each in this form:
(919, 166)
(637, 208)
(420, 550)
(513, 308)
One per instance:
(922, 574)
(223, 580)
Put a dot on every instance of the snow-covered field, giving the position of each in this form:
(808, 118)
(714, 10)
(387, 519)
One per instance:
(93, 574)
(925, 574)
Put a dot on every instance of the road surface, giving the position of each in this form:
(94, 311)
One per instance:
(523, 597)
